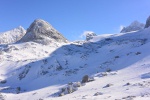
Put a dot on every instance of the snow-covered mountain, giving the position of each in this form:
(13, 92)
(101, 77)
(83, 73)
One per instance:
(42, 32)
(119, 64)
(134, 26)
(12, 36)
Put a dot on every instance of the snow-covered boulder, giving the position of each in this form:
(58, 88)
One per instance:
(42, 32)
(134, 26)
(12, 36)
(147, 22)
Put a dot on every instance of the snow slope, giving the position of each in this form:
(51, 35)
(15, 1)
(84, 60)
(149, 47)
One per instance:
(12, 36)
(120, 64)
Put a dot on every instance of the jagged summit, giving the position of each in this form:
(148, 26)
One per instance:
(12, 36)
(134, 26)
(41, 31)
(147, 22)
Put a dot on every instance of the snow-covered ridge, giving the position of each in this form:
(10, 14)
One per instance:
(134, 26)
(12, 36)
(118, 62)
(42, 32)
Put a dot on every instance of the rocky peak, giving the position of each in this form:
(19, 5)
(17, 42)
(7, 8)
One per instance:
(41, 31)
(134, 26)
(147, 22)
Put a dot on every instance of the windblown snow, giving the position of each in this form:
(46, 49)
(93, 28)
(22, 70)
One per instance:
(118, 64)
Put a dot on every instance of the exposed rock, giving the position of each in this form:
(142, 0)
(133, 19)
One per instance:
(108, 85)
(42, 32)
(3, 81)
(89, 35)
(147, 22)
(61, 94)
(77, 84)
(98, 93)
(85, 79)
(134, 26)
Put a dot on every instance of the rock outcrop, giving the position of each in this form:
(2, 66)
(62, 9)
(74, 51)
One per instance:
(42, 32)
(147, 22)
(89, 35)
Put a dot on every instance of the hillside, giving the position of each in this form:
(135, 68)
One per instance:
(119, 63)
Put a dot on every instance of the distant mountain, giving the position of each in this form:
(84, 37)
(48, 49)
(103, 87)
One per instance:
(12, 35)
(42, 32)
(134, 26)
(147, 22)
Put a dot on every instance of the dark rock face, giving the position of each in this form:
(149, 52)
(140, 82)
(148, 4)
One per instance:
(85, 79)
(41, 31)
(134, 26)
(147, 22)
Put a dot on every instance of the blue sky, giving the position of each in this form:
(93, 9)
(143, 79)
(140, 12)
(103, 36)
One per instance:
(73, 17)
